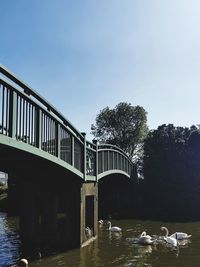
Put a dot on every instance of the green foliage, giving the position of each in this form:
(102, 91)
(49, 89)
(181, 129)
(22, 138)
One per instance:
(172, 171)
(124, 126)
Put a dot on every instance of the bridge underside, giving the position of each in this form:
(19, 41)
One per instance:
(14, 153)
(54, 204)
(25, 167)
(115, 195)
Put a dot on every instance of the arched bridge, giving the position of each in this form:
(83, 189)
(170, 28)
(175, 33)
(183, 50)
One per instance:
(33, 131)
(29, 123)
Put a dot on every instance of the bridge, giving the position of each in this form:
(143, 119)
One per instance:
(57, 178)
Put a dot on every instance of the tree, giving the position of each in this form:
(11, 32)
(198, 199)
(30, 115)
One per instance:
(172, 172)
(124, 126)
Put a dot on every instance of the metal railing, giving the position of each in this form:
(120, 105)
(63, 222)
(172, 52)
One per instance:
(27, 117)
(111, 157)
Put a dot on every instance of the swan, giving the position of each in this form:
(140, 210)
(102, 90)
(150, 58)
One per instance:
(169, 239)
(145, 239)
(180, 235)
(88, 232)
(113, 228)
(21, 263)
(100, 222)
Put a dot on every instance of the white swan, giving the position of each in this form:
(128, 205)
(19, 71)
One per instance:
(113, 228)
(180, 235)
(22, 262)
(100, 222)
(145, 239)
(169, 239)
(88, 232)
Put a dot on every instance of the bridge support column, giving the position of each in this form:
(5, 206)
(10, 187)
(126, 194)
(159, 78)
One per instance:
(89, 211)
(72, 217)
(49, 218)
(29, 215)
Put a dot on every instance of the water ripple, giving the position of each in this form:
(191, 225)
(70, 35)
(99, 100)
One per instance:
(9, 242)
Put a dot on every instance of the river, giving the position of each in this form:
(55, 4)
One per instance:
(111, 249)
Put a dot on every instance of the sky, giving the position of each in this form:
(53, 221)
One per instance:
(85, 55)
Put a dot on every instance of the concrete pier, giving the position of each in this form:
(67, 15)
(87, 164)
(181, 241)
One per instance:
(89, 210)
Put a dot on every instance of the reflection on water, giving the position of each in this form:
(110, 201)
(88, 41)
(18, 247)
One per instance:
(9, 241)
(115, 249)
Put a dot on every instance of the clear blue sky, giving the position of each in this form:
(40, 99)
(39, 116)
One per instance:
(84, 55)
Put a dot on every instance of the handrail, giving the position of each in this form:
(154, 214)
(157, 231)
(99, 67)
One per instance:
(109, 146)
(29, 91)
(50, 114)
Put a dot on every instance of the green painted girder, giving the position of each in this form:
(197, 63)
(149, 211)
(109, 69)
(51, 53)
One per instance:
(11, 143)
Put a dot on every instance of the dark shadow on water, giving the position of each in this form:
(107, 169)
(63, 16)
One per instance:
(47, 246)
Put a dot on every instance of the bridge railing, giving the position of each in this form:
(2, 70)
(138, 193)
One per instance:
(27, 117)
(111, 157)
(91, 161)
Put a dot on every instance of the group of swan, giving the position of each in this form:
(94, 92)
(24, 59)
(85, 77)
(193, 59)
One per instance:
(145, 239)
(173, 239)
(114, 229)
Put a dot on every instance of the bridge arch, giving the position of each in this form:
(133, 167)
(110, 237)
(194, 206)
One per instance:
(113, 160)
(115, 196)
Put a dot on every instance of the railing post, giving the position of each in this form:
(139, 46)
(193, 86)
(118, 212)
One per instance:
(72, 150)
(84, 156)
(102, 153)
(13, 114)
(58, 140)
(38, 124)
(96, 159)
(113, 159)
(108, 158)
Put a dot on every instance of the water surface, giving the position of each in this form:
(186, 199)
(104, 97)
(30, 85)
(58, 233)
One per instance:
(111, 249)
(9, 240)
